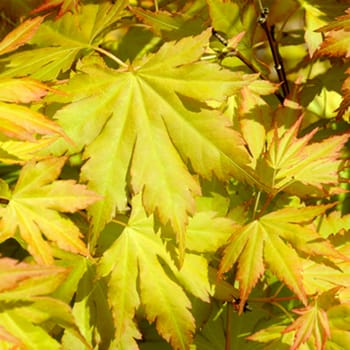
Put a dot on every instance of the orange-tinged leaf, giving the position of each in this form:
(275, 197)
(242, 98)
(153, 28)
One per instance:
(24, 123)
(33, 208)
(274, 240)
(313, 320)
(251, 265)
(336, 43)
(22, 90)
(17, 152)
(20, 35)
(298, 166)
(13, 273)
(63, 5)
(345, 104)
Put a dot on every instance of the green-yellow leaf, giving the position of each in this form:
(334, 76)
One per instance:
(299, 166)
(206, 232)
(154, 121)
(34, 205)
(59, 42)
(142, 251)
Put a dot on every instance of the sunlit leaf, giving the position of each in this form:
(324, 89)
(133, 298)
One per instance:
(34, 205)
(154, 126)
(21, 35)
(139, 251)
(300, 166)
(22, 90)
(59, 43)
(264, 241)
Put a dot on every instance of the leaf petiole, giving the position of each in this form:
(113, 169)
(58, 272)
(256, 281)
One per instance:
(111, 56)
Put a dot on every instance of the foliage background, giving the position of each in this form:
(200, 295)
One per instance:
(161, 187)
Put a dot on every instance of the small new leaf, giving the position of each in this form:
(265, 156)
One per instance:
(313, 321)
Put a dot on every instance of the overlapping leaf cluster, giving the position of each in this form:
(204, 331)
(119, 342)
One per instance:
(158, 187)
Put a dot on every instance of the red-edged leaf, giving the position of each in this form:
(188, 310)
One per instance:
(62, 5)
(313, 321)
(22, 90)
(21, 35)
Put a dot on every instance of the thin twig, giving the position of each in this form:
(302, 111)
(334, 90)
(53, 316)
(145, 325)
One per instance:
(269, 31)
(236, 53)
(228, 326)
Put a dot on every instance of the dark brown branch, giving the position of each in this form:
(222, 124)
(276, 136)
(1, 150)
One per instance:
(236, 53)
(269, 31)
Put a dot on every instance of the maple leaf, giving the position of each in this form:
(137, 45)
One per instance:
(298, 166)
(58, 43)
(24, 123)
(15, 275)
(337, 38)
(24, 304)
(63, 5)
(20, 121)
(313, 320)
(265, 240)
(154, 121)
(33, 208)
(23, 90)
(139, 250)
(207, 232)
(20, 35)
(318, 14)
(343, 110)
(18, 152)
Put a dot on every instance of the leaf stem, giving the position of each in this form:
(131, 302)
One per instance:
(266, 204)
(256, 204)
(121, 223)
(272, 299)
(228, 326)
(111, 56)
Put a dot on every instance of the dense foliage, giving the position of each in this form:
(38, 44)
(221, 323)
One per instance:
(174, 174)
